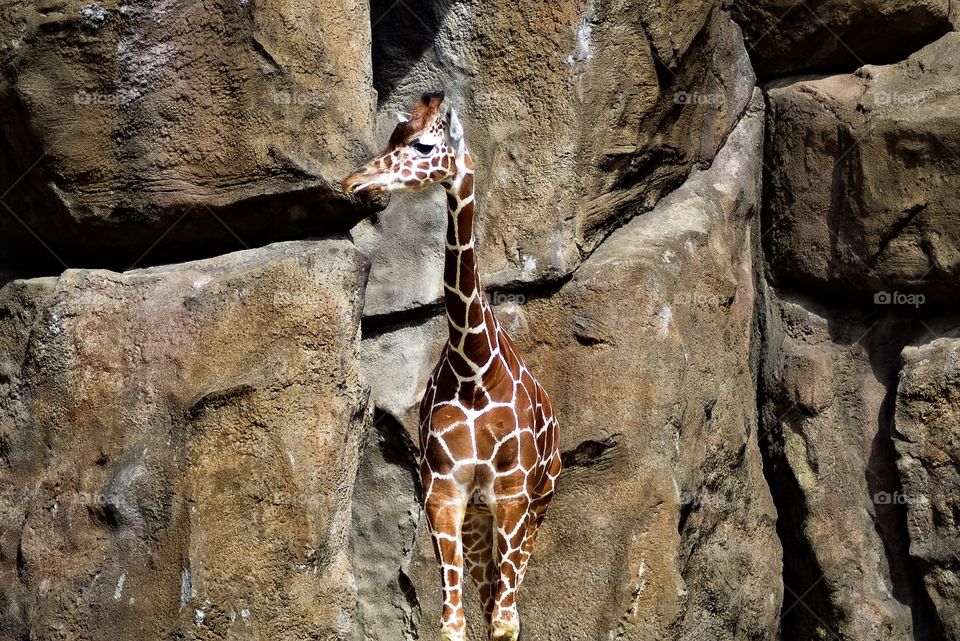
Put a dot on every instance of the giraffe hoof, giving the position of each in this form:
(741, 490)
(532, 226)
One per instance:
(506, 632)
(448, 634)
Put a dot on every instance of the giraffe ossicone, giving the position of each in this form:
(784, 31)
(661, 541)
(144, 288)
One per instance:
(489, 441)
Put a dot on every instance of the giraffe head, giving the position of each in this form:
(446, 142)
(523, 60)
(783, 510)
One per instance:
(423, 150)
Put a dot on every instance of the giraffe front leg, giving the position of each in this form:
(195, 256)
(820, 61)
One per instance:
(513, 519)
(445, 505)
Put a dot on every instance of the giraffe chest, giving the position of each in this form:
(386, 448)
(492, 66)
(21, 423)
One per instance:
(479, 441)
(493, 436)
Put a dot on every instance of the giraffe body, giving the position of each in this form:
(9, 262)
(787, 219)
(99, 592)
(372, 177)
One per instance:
(489, 440)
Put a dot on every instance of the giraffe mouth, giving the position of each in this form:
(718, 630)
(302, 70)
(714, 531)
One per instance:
(361, 183)
(367, 190)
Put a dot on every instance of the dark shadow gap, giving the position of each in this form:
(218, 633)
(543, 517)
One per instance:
(401, 33)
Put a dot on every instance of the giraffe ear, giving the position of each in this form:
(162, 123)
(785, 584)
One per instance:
(402, 117)
(454, 129)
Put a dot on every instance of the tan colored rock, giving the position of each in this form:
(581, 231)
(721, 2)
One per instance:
(828, 387)
(127, 120)
(180, 446)
(791, 36)
(863, 180)
(387, 510)
(927, 438)
(579, 116)
(662, 526)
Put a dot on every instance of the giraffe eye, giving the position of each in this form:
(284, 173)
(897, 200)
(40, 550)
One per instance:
(422, 148)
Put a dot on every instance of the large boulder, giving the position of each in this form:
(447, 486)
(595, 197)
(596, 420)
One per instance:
(927, 439)
(195, 125)
(864, 180)
(662, 526)
(791, 36)
(828, 383)
(178, 448)
(580, 117)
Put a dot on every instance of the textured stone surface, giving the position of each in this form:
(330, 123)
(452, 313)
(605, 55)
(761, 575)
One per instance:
(179, 448)
(790, 36)
(828, 384)
(130, 118)
(187, 451)
(386, 512)
(927, 438)
(662, 527)
(579, 117)
(863, 187)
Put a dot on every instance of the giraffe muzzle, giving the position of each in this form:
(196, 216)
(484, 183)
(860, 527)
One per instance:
(360, 182)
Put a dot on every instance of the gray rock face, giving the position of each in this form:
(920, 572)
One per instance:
(790, 36)
(858, 454)
(581, 119)
(123, 121)
(386, 511)
(180, 447)
(663, 526)
(861, 243)
(927, 439)
(758, 401)
(863, 180)
(827, 394)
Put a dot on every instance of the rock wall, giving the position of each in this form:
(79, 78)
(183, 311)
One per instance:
(828, 390)
(180, 446)
(860, 249)
(884, 219)
(868, 541)
(926, 422)
(741, 299)
(797, 36)
(179, 127)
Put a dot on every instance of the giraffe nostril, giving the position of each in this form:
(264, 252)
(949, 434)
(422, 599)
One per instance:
(351, 183)
(362, 182)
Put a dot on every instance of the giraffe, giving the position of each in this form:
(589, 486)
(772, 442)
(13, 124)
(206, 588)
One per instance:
(489, 441)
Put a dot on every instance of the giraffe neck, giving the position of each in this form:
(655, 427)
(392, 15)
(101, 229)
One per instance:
(472, 326)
